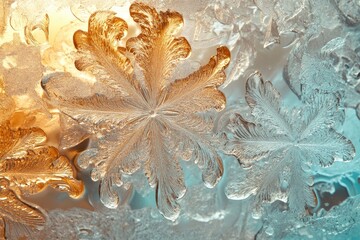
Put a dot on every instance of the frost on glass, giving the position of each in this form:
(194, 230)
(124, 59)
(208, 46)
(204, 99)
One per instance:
(338, 223)
(199, 218)
(27, 166)
(20, 63)
(280, 146)
(328, 55)
(284, 186)
(143, 117)
(121, 223)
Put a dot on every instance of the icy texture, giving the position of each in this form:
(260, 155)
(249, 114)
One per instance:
(328, 55)
(116, 224)
(199, 218)
(27, 166)
(120, 224)
(144, 118)
(281, 145)
(314, 194)
(350, 10)
(20, 64)
(123, 223)
(340, 222)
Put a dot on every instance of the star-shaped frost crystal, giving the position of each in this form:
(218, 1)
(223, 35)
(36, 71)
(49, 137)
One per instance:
(143, 117)
(279, 148)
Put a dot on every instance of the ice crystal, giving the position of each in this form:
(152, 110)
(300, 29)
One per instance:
(350, 10)
(327, 57)
(27, 166)
(340, 222)
(143, 117)
(17, 217)
(231, 23)
(121, 223)
(20, 63)
(144, 223)
(281, 146)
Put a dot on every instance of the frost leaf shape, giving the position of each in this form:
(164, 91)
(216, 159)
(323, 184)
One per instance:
(17, 217)
(146, 119)
(280, 146)
(27, 166)
(26, 162)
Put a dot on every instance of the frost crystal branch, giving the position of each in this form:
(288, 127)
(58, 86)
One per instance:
(27, 166)
(143, 116)
(281, 146)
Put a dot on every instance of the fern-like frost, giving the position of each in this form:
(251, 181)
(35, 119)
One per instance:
(27, 166)
(144, 118)
(280, 146)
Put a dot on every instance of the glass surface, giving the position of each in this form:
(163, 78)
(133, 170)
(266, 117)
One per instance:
(179, 119)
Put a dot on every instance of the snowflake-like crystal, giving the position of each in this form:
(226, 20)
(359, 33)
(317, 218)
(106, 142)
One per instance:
(142, 115)
(279, 146)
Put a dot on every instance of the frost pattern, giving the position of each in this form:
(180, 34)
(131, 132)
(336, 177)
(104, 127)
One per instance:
(121, 223)
(339, 222)
(328, 55)
(142, 116)
(281, 146)
(27, 166)
(199, 219)
(20, 63)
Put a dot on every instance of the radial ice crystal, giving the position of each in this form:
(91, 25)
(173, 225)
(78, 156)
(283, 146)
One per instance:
(280, 147)
(142, 116)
